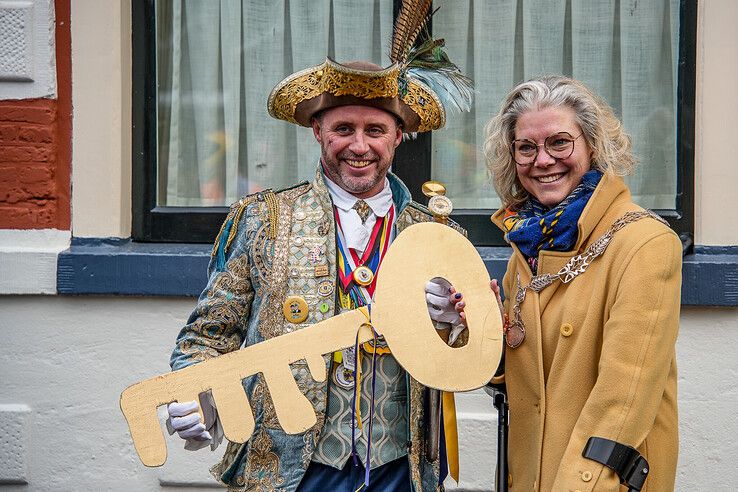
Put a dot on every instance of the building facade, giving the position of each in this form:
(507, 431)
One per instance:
(90, 304)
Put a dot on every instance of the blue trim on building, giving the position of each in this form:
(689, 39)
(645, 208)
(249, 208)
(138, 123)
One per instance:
(123, 267)
(710, 276)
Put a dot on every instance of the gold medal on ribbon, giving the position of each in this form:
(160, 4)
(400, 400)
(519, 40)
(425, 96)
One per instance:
(363, 275)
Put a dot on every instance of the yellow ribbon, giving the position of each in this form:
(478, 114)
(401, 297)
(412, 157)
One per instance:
(451, 434)
(357, 383)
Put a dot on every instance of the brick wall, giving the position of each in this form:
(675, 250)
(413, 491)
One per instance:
(29, 164)
(35, 147)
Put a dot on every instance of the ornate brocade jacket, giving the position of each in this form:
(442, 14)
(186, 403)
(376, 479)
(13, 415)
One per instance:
(265, 252)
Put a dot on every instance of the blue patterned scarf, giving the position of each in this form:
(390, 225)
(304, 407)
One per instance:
(533, 227)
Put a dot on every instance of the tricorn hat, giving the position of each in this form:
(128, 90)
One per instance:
(303, 94)
(417, 88)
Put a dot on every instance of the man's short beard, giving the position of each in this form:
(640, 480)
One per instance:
(355, 186)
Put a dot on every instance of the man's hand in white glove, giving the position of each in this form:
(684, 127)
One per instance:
(185, 421)
(446, 305)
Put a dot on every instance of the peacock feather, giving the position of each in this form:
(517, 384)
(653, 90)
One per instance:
(427, 61)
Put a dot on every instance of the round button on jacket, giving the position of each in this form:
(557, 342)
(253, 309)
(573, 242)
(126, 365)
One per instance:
(566, 329)
(587, 476)
(295, 309)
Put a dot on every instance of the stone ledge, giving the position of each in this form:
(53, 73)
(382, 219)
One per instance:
(124, 267)
(28, 260)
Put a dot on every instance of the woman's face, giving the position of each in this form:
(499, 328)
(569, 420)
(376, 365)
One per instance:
(548, 179)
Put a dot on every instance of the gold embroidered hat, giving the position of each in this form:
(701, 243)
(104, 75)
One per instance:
(303, 94)
(418, 87)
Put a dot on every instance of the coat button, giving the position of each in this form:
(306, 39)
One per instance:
(587, 476)
(295, 309)
(509, 480)
(566, 329)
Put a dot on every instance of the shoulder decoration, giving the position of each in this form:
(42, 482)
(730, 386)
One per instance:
(228, 230)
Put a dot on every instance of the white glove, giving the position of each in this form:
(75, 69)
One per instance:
(185, 421)
(441, 309)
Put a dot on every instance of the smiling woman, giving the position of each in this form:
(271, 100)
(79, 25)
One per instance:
(590, 361)
(552, 174)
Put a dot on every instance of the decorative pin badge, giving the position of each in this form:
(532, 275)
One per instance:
(321, 270)
(316, 254)
(343, 374)
(324, 227)
(325, 288)
(295, 309)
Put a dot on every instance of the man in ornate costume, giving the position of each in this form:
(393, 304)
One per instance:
(285, 260)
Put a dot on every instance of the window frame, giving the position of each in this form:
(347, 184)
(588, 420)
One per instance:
(153, 223)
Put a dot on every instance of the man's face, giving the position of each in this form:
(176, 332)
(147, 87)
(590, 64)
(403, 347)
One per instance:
(357, 145)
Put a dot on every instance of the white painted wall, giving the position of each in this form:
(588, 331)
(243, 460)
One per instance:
(716, 118)
(101, 96)
(68, 358)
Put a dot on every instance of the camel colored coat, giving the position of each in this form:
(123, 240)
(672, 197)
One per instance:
(598, 358)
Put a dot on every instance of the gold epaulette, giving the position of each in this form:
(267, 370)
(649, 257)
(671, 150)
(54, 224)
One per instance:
(230, 224)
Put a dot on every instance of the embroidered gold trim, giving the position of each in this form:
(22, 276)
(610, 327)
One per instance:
(425, 103)
(259, 253)
(271, 319)
(417, 438)
(333, 78)
(273, 210)
(234, 213)
(263, 464)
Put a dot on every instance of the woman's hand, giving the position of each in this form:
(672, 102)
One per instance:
(445, 305)
(496, 291)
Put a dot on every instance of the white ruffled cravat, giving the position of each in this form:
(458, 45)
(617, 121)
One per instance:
(357, 234)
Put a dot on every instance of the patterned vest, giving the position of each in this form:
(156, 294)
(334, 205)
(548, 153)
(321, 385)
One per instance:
(390, 432)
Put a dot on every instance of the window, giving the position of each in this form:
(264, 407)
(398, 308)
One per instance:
(203, 71)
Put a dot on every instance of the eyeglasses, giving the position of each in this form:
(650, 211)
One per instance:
(559, 146)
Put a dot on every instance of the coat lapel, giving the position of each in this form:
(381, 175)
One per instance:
(590, 225)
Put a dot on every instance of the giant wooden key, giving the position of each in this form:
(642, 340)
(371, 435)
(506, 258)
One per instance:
(399, 313)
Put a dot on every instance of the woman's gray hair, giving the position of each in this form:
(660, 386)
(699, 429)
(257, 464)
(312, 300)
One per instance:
(602, 130)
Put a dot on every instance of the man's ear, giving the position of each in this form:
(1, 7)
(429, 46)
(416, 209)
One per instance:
(316, 129)
(398, 135)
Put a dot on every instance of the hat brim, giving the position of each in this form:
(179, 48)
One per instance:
(302, 95)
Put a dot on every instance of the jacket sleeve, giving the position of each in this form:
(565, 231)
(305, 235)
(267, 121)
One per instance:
(637, 353)
(218, 323)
